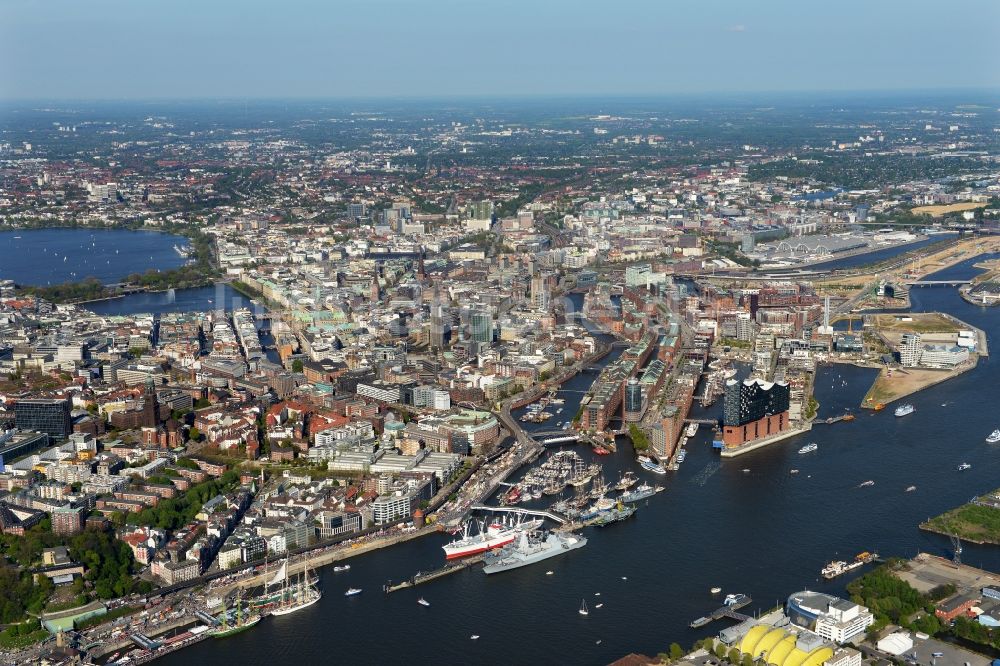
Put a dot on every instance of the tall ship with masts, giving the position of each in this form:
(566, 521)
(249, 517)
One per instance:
(235, 622)
(297, 594)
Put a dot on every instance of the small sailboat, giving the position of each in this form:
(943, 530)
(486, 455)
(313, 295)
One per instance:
(344, 567)
(624, 577)
(548, 573)
(423, 602)
(599, 606)
(583, 609)
(910, 489)
(716, 590)
(474, 637)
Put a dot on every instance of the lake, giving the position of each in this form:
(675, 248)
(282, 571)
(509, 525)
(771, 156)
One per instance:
(42, 257)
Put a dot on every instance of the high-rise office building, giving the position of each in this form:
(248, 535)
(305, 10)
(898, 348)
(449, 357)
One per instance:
(356, 210)
(48, 416)
(539, 292)
(440, 327)
(481, 327)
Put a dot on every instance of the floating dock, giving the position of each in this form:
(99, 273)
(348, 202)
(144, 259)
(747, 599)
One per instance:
(726, 611)
(426, 577)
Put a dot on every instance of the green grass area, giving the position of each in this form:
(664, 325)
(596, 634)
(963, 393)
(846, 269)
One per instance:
(121, 611)
(921, 323)
(972, 522)
(21, 641)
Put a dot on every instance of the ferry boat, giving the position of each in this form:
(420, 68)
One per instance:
(809, 448)
(903, 410)
(653, 467)
(994, 437)
(839, 567)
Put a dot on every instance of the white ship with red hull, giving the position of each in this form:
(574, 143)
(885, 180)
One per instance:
(496, 535)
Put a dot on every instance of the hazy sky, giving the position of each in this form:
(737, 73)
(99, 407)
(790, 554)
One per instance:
(96, 49)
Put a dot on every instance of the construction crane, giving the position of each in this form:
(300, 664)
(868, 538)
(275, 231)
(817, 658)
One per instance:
(956, 547)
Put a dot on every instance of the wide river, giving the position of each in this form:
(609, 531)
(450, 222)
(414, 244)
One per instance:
(765, 532)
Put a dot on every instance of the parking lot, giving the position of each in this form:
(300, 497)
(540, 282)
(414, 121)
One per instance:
(950, 655)
(927, 572)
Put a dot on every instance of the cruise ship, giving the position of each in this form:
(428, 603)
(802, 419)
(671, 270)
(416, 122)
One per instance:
(532, 547)
(994, 437)
(903, 410)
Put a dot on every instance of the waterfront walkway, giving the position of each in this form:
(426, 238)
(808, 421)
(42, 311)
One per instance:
(761, 443)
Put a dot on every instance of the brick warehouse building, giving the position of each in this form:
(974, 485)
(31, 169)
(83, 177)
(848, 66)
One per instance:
(753, 409)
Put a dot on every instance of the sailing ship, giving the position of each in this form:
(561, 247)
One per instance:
(242, 622)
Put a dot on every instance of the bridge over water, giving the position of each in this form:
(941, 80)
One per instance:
(937, 283)
(524, 512)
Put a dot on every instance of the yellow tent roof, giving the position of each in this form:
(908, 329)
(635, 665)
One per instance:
(749, 642)
(780, 652)
(765, 644)
(818, 656)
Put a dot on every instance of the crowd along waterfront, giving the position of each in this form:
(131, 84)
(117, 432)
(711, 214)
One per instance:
(42, 257)
(765, 533)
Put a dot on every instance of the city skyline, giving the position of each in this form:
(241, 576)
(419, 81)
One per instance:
(445, 49)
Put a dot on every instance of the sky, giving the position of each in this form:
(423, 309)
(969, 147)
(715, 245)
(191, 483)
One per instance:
(179, 49)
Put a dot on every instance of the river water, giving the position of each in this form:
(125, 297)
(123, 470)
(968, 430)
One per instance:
(765, 533)
(196, 299)
(43, 257)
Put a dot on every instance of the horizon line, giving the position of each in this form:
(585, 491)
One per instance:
(537, 96)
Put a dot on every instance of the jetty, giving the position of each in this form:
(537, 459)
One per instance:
(725, 611)
(426, 577)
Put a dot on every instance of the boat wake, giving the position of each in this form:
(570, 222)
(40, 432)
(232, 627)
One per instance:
(702, 477)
